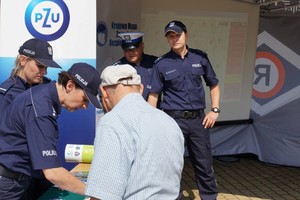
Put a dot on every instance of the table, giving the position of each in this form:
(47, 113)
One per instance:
(80, 170)
(81, 167)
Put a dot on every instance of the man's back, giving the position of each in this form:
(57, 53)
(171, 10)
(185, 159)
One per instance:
(144, 148)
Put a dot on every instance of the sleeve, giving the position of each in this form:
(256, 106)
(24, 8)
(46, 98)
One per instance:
(42, 138)
(156, 80)
(110, 166)
(209, 76)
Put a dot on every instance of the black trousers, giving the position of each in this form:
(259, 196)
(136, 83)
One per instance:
(197, 140)
(13, 189)
(37, 187)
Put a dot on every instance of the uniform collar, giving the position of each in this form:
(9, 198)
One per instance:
(21, 81)
(133, 64)
(54, 97)
(176, 56)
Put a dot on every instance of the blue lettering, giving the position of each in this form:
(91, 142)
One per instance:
(49, 17)
(38, 16)
(57, 17)
(46, 18)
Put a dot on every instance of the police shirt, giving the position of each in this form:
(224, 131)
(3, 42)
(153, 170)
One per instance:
(144, 70)
(29, 132)
(9, 89)
(180, 80)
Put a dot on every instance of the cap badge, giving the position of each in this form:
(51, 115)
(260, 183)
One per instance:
(127, 37)
(172, 24)
(50, 52)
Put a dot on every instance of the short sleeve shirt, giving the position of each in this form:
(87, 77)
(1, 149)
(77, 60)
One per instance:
(144, 70)
(180, 80)
(29, 132)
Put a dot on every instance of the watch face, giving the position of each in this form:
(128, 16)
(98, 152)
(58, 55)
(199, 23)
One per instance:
(216, 110)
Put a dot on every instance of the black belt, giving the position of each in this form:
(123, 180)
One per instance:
(186, 114)
(10, 174)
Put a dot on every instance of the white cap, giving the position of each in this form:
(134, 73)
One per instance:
(120, 74)
(131, 40)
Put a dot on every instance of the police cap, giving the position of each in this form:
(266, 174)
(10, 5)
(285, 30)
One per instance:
(131, 40)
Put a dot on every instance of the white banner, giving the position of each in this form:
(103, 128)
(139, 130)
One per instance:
(70, 27)
(112, 17)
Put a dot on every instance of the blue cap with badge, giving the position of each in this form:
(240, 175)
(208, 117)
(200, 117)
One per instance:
(176, 27)
(88, 78)
(131, 40)
(40, 50)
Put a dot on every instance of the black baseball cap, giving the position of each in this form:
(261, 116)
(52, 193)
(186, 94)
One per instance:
(175, 26)
(88, 78)
(40, 50)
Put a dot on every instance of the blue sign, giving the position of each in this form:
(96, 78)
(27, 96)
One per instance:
(48, 19)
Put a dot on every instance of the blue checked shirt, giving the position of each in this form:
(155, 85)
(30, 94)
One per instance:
(138, 154)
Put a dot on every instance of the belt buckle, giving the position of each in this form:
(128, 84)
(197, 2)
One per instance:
(187, 114)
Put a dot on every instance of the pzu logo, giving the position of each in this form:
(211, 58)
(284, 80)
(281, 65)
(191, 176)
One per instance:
(47, 19)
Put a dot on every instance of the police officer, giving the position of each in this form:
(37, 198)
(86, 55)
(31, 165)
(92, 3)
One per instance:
(177, 75)
(35, 56)
(29, 132)
(133, 48)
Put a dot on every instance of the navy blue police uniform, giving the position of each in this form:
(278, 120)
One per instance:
(144, 69)
(9, 89)
(42, 52)
(131, 41)
(26, 150)
(184, 99)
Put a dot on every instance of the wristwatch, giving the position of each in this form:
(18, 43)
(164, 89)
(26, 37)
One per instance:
(216, 110)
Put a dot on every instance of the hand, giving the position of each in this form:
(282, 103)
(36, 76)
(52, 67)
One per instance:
(210, 119)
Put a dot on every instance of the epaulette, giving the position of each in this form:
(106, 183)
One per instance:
(118, 62)
(198, 51)
(5, 86)
(158, 59)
